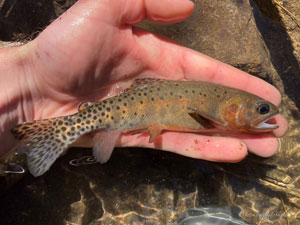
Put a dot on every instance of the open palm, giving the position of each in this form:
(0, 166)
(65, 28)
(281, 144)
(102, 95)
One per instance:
(92, 51)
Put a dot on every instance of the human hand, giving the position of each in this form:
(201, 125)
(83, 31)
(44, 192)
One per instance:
(93, 48)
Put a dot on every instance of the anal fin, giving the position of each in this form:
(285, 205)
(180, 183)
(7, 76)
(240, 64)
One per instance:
(103, 144)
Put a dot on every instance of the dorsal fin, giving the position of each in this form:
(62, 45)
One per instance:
(84, 105)
(141, 83)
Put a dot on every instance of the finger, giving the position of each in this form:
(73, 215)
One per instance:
(264, 145)
(165, 11)
(210, 148)
(120, 12)
(176, 60)
(283, 126)
(199, 66)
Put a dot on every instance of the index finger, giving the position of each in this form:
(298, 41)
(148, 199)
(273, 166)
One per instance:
(197, 66)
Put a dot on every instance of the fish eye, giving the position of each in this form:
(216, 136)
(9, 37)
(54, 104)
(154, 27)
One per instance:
(263, 109)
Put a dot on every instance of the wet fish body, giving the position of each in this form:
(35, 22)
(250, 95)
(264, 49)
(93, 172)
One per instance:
(149, 105)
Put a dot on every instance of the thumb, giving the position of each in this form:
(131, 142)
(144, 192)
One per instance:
(121, 12)
(165, 11)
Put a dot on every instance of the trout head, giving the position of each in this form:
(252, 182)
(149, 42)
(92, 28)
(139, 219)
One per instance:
(249, 114)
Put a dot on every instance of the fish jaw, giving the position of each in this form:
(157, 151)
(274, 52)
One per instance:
(242, 115)
(264, 126)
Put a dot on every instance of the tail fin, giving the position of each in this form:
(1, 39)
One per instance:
(44, 141)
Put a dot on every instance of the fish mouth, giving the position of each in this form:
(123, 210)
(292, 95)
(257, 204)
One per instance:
(265, 125)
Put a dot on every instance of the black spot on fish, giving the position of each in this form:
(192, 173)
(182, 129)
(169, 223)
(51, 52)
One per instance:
(107, 126)
(95, 111)
(105, 101)
(135, 113)
(145, 94)
(94, 117)
(132, 98)
(125, 104)
(89, 115)
(60, 123)
(123, 111)
(118, 107)
(103, 114)
(141, 102)
(89, 110)
(119, 99)
(171, 93)
(82, 129)
(88, 122)
(100, 108)
(215, 89)
(78, 120)
(193, 91)
(111, 101)
(112, 118)
(200, 93)
(180, 96)
(218, 96)
(108, 109)
(107, 116)
(152, 99)
(63, 128)
(140, 94)
(204, 95)
(57, 131)
(100, 121)
(186, 91)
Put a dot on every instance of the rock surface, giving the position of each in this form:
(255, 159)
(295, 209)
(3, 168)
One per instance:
(142, 186)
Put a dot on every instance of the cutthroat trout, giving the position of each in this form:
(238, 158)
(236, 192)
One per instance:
(149, 105)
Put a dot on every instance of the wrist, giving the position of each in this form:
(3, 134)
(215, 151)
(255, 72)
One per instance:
(14, 92)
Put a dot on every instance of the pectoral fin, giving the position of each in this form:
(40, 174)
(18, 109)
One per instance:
(205, 123)
(103, 144)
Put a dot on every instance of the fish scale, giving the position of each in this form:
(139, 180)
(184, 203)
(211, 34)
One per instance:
(149, 105)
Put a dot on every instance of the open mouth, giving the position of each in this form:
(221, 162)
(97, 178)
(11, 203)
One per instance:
(268, 124)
